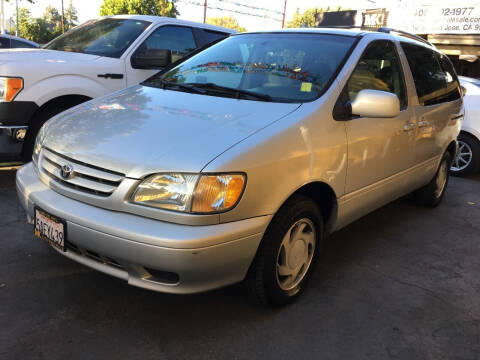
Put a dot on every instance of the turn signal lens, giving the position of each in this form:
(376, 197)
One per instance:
(216, 193)
(9, 88)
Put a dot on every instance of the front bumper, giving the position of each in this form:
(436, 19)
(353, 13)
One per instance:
(148, 253)
(14, 120)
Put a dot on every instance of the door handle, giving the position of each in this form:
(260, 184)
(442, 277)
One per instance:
(422, 124)
(110, 76)
(409, 127)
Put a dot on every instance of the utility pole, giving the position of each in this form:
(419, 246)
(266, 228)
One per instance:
(2, 17)
(284, 11)
(205, 12)
(16, 12)
(63, 20)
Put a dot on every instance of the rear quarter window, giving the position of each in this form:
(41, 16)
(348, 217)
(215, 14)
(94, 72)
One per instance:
(434, 83)
(211, 36)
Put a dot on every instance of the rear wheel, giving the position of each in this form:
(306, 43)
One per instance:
(468, 157)
(287, 253)
(432, 193)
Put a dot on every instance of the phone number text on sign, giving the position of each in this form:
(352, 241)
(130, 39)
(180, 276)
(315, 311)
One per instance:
(431, 19)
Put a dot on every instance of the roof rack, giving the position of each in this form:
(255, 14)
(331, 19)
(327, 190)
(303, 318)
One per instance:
(388, 30)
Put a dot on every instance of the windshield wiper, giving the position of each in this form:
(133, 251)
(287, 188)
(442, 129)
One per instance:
(167, 84)
(231, 91)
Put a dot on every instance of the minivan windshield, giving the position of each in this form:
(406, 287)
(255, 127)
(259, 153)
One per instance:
(108, 37)
(280, 67)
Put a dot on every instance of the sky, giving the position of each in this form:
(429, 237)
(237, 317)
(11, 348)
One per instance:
(89, 9)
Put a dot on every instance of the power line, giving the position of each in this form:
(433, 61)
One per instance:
(251, 7)
(228, 10)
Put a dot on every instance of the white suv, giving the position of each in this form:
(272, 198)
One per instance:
(93, 59)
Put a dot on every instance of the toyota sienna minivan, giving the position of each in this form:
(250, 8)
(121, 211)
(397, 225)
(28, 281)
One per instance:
(235, 164)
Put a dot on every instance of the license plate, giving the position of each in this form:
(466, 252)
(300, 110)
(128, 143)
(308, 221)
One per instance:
(50, 229)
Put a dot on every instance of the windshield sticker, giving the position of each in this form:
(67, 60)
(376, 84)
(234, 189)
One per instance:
(306, 87)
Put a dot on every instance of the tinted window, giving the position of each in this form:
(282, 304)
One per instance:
(21, 44)
(452, 90)
(378, 69)
(4, 43)
(287, 67)
(178, 39)
(211, 36)
(105, 37)
(433, 84)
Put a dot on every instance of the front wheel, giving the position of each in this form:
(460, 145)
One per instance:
(432, 194)
(286, 256)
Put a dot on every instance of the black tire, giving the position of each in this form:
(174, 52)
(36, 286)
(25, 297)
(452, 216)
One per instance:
(432, 194)
(41, 118)
(262, 279)
(469, 146)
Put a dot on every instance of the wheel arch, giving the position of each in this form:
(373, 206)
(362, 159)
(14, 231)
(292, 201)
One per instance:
(325, 198)
(60, 101)
(452, 149)
(470, 134)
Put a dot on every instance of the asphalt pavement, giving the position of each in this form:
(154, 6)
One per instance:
(401, 283)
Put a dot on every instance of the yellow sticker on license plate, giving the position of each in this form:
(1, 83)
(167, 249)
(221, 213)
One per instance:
(50, 229)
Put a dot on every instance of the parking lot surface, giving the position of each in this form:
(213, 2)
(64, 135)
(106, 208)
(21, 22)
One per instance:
(401, 283)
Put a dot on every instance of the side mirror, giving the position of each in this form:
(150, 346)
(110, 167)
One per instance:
(464, 90)
(376, 104)
(151, 59)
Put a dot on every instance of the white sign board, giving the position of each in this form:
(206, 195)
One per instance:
(439, 17)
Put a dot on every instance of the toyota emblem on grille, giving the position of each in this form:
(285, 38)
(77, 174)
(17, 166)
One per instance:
(67, 171)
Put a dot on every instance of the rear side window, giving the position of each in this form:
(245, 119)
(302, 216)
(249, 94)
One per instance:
(178, 39)
(378, 69)
(452, 84)
(433, 83)
(4, 43)
(21, 44)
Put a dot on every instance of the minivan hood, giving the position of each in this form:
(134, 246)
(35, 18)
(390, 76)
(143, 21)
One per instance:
(37, 56)
(143, 130)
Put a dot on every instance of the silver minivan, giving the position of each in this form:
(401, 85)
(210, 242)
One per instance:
(235, 164)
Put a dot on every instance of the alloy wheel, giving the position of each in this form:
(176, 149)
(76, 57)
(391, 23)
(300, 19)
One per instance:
(464, 157)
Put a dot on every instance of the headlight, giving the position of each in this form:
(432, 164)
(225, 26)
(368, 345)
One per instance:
(38, 143)
(9, 88)
(192, 193)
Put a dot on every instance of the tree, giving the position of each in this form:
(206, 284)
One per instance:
(32, 29)
(226, 21)
(71, 17)
(139, 7)
(308, 18)
(46, 28)
(54, 19)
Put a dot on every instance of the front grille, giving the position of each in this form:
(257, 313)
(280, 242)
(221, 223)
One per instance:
(85, 178)
(92, 255)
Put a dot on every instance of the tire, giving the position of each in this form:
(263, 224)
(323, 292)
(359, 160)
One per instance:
(41, 118)
(467, 161)
(431, 195)
(271, 279)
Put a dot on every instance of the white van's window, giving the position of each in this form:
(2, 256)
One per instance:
(379, 68)
(105, 37)
(281, 67)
